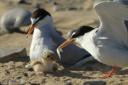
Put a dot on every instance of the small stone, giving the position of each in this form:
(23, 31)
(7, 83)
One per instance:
(22, 1)
(29, 74)
(68, 83)
(25, 74)
(28, 84)
(34, 84)
(1, 65)
(22, 81)
(43, 81)
(12, 54)
(97, 82)
(13, 82)
(34, 81)
(10, 65)
(19, 64)
(0, 83)
(29, 67)
(18, 77)
(56, 78)
(7, 72)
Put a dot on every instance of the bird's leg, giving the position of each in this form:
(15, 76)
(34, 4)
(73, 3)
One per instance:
(110, 73)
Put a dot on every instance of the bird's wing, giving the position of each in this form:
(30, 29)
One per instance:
(113, 20)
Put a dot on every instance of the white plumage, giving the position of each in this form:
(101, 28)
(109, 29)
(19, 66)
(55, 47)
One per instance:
(109, 42)
(42, 43)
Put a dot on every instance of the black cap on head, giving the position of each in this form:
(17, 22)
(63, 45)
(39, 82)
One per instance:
(81, 31)
(40, 13)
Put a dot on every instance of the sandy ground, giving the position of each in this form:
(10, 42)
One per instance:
(65, 20)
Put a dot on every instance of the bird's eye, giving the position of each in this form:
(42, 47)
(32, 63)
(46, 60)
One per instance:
(34, 21)
(73, 35)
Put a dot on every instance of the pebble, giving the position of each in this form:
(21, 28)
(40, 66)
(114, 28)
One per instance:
(13, 82)
(19, 64)
(68, 83)
(97, 82)
(22, 81)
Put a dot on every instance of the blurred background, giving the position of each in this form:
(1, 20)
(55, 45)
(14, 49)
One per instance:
(67, 15)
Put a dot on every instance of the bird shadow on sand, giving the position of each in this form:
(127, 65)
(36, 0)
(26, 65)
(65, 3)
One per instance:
(70, 73)
(77, 72)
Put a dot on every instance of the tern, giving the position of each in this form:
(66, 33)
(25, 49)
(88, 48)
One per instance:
(46, 39)
(12, 19)
(107, 43)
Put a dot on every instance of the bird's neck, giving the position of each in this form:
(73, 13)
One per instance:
(88, 42)
(47, 30)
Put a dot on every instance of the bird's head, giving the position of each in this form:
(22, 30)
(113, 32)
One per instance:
(75, 34)
(39, 16)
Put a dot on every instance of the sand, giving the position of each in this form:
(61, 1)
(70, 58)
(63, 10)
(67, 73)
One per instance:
(68, 16)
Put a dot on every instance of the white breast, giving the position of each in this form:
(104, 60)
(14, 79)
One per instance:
(41, 44)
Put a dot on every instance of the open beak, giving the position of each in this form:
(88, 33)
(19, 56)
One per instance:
(30, 30)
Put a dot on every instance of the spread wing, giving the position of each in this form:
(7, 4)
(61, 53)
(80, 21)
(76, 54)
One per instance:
(113, 20)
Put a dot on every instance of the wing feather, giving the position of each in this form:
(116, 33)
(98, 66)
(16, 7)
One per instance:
(113, 17)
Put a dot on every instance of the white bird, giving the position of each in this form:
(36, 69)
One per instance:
(11, 20)
(109, 42)
(46, 39)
